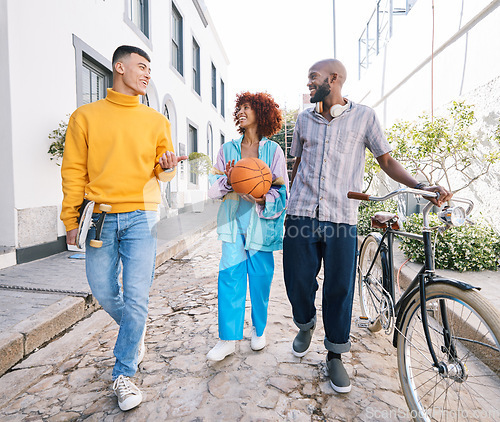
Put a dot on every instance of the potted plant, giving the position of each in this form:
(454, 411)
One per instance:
(200, 164)
(58, 135)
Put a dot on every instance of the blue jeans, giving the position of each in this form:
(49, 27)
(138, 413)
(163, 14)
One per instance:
(129, 239)
(306, 244)
(238, 265)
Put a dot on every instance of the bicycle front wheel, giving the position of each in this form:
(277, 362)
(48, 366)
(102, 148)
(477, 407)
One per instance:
(370, 281)
(469, 388)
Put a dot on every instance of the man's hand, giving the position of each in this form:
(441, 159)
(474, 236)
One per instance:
(228, 171)
(169, 161)
(71, 237)
(444, 195)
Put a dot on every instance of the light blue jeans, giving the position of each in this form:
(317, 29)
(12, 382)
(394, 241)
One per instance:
(129, 240)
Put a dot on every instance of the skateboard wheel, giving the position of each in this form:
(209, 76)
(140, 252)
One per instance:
(105, 207)
(96, 243)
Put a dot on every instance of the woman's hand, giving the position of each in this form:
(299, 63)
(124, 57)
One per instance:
(228, 171)
(250, 198)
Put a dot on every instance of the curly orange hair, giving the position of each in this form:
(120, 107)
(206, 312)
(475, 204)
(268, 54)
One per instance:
(267, 111)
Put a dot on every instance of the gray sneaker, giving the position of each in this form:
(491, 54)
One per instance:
(302, 341)
(129, 396)
(339, 380)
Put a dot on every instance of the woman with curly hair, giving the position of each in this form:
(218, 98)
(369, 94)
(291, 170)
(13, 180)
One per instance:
(250, 229)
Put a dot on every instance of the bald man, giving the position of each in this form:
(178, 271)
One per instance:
(329, 143)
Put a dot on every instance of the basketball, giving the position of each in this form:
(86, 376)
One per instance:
(251, 176)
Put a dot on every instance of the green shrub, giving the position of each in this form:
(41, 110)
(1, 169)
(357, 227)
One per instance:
(367, 209)
(466, 248)
(200, 163)
(56, 148)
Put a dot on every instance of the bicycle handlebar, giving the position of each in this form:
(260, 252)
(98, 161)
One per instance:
(424, 193)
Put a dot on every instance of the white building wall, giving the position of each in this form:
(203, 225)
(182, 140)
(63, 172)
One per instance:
(37, 58)
(466, 67)
(7, 215)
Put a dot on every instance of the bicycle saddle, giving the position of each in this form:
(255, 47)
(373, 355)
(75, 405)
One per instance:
(382, 220)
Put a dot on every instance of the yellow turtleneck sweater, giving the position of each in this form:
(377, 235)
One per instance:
(111, 156)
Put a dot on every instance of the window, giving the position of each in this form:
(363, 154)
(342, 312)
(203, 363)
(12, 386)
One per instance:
(177, 56)
(214, 86)
(93, 81)
(196, 67)
(93, 73)
(139, 15)
(222, 105)
(222, 138)
(193, 147)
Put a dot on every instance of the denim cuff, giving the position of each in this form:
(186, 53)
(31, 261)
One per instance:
(337, 348)
(307, 325)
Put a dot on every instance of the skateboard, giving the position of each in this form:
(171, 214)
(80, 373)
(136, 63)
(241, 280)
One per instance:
(85, 223)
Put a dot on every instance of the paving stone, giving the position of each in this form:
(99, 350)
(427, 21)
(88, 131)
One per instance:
(45, 384)
(286, 385)
(14, 383)
(220, 385)
(184, 395)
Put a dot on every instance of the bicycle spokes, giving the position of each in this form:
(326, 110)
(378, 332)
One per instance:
(464, 335)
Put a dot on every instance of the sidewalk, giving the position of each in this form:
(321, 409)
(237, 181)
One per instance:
(46, 297)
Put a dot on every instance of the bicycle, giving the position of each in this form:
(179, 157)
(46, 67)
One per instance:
(447, 335)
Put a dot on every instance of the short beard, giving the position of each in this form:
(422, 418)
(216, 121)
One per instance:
(322, 91)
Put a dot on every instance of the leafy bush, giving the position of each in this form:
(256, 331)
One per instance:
(56, 148)
(367, 209)
(200, 163)
(447, 149)
(466, 248)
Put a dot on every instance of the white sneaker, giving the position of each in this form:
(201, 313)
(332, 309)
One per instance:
(129, 396)
(257, 343)
(222, 349)
(142, 348)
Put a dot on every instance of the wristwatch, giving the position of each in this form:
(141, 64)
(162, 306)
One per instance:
(419, 186)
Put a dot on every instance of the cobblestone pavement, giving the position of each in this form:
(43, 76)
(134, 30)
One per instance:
(70, 379)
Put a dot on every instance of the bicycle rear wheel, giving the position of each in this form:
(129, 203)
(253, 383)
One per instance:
(470, 387)
(371, 294)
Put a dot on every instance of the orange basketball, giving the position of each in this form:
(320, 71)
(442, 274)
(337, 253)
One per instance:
(251, 176)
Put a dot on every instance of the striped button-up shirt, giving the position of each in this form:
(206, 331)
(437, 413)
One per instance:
(332, 162)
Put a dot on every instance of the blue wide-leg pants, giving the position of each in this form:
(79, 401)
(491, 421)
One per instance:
(238, 265)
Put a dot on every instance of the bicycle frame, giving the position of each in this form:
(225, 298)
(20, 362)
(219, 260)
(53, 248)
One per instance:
(425, 276)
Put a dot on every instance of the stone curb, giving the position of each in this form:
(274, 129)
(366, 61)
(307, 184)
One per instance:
(172, 248)
(23, 338)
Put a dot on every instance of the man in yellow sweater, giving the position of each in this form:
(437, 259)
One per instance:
(116, 150)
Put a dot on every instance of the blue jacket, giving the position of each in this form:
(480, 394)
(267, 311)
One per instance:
(265, 230)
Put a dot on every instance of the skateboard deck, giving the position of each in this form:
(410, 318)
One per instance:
(85, 223)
